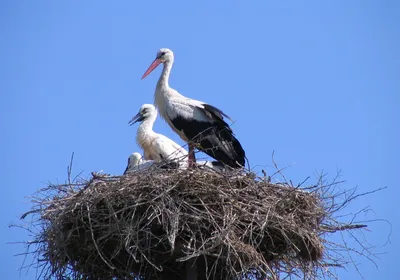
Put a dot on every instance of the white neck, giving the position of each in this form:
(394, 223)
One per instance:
(147, 124)
(164, 78)
(163, 91)
(145, 131)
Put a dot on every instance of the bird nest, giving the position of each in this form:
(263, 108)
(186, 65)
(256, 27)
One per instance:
(165, 224)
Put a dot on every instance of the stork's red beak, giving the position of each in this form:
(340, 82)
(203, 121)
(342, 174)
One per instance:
(153, 66)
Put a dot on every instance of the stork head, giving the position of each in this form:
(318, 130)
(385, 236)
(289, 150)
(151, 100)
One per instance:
(134, 159)
(163, 55)
(147, 111)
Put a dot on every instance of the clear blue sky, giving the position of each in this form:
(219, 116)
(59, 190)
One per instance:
(315, 81)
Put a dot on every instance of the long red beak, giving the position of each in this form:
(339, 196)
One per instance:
(153, 66)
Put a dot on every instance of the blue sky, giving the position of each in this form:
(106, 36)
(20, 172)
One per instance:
(315, 81)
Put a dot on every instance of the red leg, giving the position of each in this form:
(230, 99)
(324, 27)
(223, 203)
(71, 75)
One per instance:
(191, 157)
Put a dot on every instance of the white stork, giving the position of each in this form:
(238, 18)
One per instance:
(134, 161)
(215, 165)
(137, 163)
(198, 123)
(156, 146)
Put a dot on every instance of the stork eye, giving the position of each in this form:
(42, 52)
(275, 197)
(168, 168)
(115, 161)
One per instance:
(161, 54)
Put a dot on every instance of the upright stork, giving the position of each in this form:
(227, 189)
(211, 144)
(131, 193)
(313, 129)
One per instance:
(156, 146)
(198, 123)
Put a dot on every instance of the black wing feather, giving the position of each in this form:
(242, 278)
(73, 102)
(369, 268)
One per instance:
(126, 169)
(217, 112)
(213, 137)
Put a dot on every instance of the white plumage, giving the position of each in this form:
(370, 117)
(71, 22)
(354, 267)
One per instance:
(136, 163)
(214, 165)
(200, 124)
(155, 146)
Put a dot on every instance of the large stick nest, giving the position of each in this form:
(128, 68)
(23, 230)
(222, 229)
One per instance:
(155, 223)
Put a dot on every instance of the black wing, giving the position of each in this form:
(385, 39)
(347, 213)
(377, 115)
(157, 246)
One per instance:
(214, 136)
(127, 167)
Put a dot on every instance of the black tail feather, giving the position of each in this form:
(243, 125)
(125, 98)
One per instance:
(222, 145)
